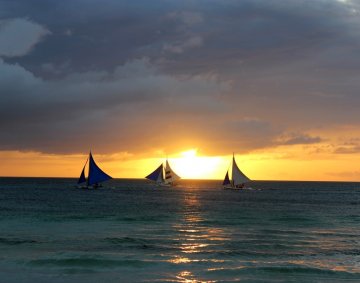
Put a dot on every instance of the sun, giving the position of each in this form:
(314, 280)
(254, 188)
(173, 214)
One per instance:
(189, 153)
(189, 165)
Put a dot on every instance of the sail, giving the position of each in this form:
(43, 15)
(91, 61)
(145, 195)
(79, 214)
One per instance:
(226, 180)
(157, 175)
(96, 175)
(170, 175)
(238, 177)
(82, 178)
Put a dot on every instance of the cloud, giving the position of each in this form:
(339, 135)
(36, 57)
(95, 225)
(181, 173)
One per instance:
(347, 149)
(181, 46)
(239, 134)
(185, 38)
(188, 18)
(348, 141)
(298, 138)
(127, 104)
(68, 32)
(18, 36)
(240, 75)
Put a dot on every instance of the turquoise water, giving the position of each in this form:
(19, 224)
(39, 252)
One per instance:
(132, 232)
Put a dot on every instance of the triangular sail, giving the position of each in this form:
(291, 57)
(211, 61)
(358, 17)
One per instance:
(157, 175)
(226, 180)
(238, 177)
(96, 175)
(170, 175)
(82, 178)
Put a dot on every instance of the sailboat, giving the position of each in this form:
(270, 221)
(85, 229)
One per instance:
(161, 178)
(237, 181)
(95, 175)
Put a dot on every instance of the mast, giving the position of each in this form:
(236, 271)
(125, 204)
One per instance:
(87, 181)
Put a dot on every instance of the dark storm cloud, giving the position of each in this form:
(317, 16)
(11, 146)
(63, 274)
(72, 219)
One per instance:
(106, 107)
(227, 31)
(106, 73)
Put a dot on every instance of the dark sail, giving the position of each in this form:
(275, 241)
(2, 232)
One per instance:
(226, 180)
(96, 175)
(157, 175)
(82, 178)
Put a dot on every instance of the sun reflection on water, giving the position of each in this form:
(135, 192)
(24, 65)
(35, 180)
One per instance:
(178, 260)
(192, 248)
(188, 277)
(195, 240)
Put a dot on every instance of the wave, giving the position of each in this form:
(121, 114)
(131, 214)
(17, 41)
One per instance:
(285, 270)
(294, 219)
(16, 241)
(89, 262)
(140, 243)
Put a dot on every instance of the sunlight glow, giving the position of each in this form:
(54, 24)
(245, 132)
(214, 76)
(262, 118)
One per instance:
(190, 153)
(329, 160)
(191, 166)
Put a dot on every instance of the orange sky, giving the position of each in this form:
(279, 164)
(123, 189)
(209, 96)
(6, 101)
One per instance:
(296, 162)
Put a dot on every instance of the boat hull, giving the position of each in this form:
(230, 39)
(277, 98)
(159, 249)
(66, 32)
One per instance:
(86, 187)
(165, 185)
(237, 188)
(232, 188)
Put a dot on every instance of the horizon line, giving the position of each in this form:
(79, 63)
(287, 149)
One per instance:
(188, 179)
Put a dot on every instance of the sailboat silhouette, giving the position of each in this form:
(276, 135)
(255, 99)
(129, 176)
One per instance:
(95, 175)
(238, 180)
(167, 179)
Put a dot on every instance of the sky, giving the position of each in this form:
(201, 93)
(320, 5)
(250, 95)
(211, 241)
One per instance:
(276, 82)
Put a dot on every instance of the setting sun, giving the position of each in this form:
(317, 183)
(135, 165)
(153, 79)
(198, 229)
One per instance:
(191, 166)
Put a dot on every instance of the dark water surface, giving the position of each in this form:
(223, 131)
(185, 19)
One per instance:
(133, 232)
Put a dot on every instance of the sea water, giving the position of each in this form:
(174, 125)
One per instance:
(133, 231)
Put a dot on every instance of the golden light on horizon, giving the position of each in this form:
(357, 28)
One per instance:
(191, 166)
(296, 162)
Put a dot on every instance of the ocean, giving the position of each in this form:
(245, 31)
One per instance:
(131, 231)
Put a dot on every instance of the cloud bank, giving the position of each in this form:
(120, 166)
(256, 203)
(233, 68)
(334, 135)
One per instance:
(138, 76)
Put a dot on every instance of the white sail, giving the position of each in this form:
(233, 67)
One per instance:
(170, 175)
(238, 177)
(160, 178)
